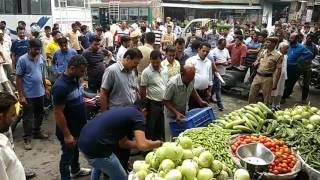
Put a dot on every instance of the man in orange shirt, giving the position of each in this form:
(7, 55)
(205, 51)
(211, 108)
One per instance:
(238, 52)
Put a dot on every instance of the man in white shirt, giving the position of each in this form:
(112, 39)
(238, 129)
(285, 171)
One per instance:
(226, 35)
(109, 37)
(125, 44)
(203, 78)
(220, 57)
(10, 166)
(152, 88)
(5, 46)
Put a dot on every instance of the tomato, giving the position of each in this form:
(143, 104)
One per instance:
(273, 149)
(234, 148)
(247, 141)
(291, 165)
(275, 172)
(283, 165)
(285, 161)
(276, 161)
(284, 156)
(278, 154)
(286, 150)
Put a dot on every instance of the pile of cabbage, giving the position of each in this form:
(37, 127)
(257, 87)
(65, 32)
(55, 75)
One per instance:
(180, 160)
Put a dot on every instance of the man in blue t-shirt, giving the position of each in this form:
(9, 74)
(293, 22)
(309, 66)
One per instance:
(70, 116)
(106, 132)
(61, 57)
(31, 88)
(20, 46)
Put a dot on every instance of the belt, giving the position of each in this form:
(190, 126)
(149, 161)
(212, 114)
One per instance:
(157, 103)
(264, 75)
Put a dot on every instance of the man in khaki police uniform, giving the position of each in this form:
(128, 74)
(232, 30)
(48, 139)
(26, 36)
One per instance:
(268, 65)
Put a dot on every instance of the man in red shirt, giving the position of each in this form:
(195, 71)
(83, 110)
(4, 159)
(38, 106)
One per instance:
(238, 51)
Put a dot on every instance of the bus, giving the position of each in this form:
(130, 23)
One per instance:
(45, 13)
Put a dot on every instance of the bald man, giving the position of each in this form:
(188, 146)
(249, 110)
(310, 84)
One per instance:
(179, 89)
(299, 60)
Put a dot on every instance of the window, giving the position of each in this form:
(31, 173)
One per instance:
(124, 14)
(133, 14)
(46, 7)
(35, 7)
(22, 7)
(1, 6)
(10, 6)
(143, 14)
(76, 3)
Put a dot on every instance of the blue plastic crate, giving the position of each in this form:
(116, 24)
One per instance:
(200, 117)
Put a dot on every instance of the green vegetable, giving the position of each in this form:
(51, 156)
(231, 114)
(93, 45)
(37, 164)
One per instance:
(141, 175)
(234, 123)
(205, 174)
(241, 174)
(166, 165)
(185, 142)
(173, 174)
(242, 128)
(315, 119)
(205, 159)
(140, 166)
(188, 170)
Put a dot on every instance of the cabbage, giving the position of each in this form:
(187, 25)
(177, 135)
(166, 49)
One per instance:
(188, 170)
(310, 126)
(222, 176)
(195, 164)
(141, 175)
(197, 151)
(313, 109)
(162, 174)
(241, 174)
(315, 119)
(167, 144)
(149, 157)
(185, 142)
(173, 174)
(305, 114)
(140, 165)
(205, 159)
(155, 162)
(216, 166)
(166, 165)
(205, 174)
(187, 154)
(297, 117)
(153, 176)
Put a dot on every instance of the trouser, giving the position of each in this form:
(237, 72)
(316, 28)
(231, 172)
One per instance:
(79, 51)
(258, 83)
(69, 158)
(33, 113)
(167, 130)
(9, 71)
(108, 165)
(293, 75)
(193, 102)
(155, 120)
(216, 88)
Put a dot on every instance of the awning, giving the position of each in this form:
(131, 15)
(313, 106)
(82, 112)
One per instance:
(210, 6)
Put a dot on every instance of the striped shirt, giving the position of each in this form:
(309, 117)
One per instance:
(158, 34)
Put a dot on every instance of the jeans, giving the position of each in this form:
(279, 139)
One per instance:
(293, 75)
(155, 120)
(69, 158)
(216, 88)
(33, 113)
(108, 165)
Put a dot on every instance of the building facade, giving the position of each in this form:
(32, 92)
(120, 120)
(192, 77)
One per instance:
(104, 11)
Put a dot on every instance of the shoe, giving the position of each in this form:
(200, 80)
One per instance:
(304, 102)
(221, 109)
(27, 145)
(82, 172)
(29, 174)
(40, 136)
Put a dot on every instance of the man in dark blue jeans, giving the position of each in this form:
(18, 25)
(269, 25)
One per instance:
(70, 115)
(297, 53)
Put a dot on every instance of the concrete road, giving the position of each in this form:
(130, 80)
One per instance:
(45, 155)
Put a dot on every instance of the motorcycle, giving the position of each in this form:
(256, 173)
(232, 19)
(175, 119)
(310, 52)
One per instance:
(92, 103)
(234, 79)
(315, 74)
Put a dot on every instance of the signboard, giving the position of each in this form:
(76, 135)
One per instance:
(309, 15)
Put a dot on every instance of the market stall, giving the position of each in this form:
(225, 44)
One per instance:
(249, 143)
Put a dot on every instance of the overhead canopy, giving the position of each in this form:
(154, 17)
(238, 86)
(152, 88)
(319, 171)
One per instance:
(210, 6)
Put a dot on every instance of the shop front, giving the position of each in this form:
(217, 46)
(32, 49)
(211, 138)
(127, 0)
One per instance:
(226, 10)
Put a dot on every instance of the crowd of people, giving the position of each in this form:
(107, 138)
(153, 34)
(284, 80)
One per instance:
(146, 77)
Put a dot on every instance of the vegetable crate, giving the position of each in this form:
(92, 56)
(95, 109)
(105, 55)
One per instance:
(200, 117)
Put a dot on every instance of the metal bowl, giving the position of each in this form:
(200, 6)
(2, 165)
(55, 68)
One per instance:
(255, 157)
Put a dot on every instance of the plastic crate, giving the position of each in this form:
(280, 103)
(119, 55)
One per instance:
(200, 117)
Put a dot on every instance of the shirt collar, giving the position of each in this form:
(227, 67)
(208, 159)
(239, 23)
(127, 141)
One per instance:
(70, 79)
(198, 58)
(153, 70)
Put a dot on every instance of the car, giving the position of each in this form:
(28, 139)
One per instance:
(197, 24)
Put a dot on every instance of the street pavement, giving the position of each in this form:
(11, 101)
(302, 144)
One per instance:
(45, 155)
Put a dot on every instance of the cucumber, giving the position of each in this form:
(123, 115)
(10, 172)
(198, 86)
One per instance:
(242, 128)
(234, 123)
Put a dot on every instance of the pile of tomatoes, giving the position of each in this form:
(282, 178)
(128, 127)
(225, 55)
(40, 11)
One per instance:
(285, 159)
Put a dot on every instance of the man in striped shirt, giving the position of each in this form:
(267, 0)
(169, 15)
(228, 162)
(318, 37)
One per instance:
(158, 33)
